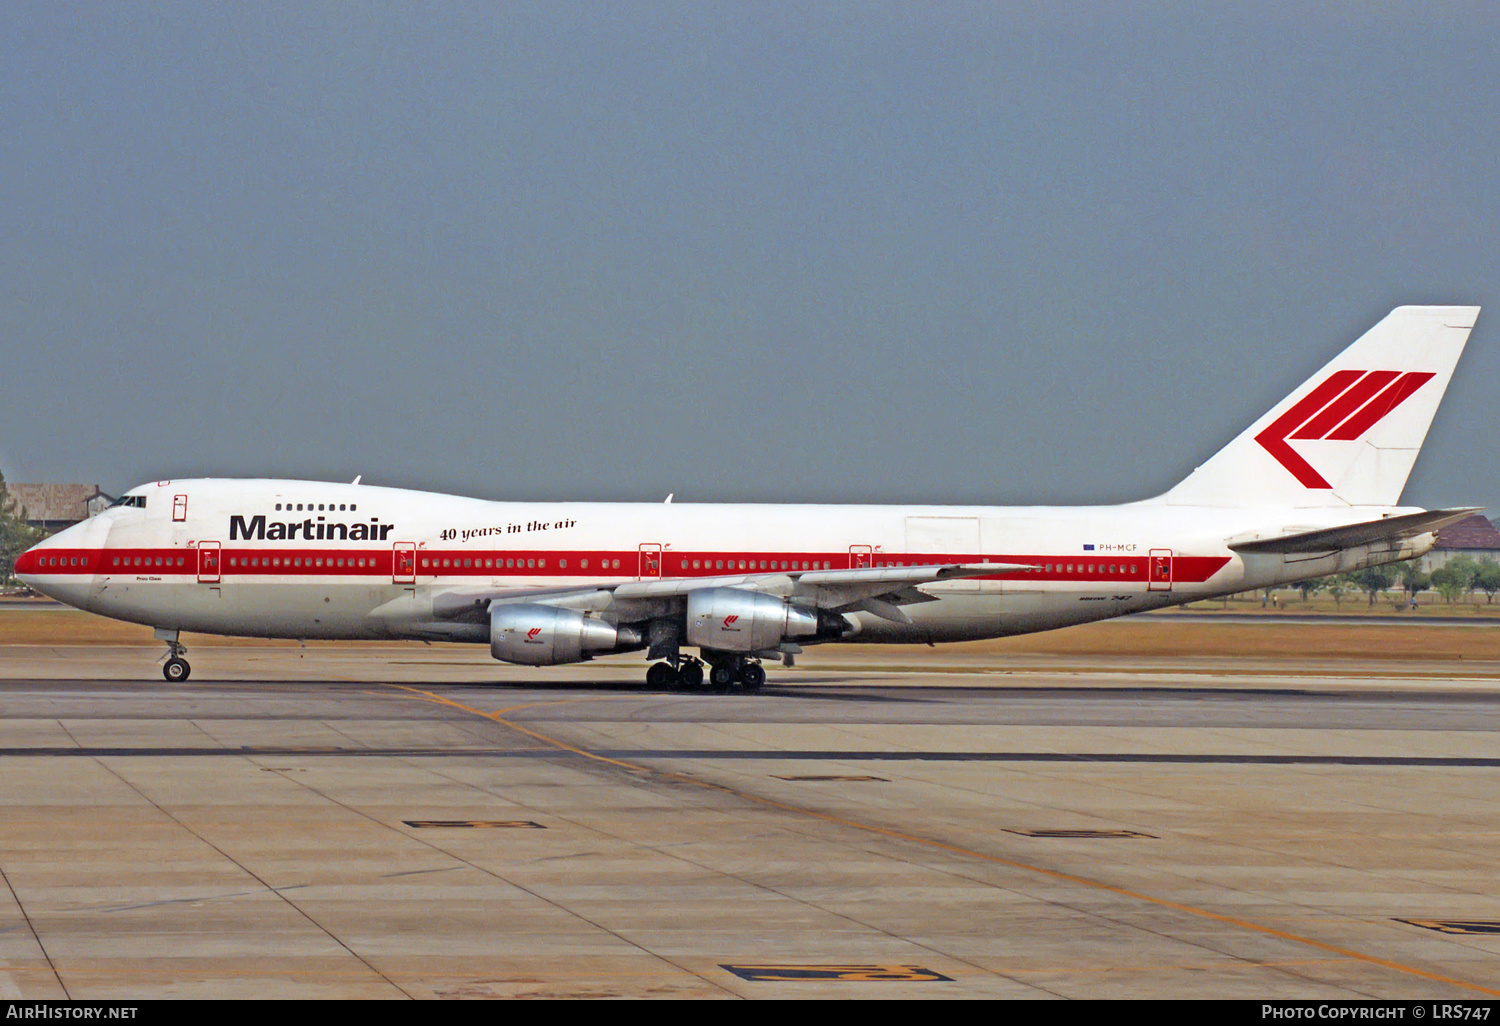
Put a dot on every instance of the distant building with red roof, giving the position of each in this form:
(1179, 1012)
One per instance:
(1473, 536)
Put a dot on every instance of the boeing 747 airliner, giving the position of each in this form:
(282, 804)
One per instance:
(1309, 489)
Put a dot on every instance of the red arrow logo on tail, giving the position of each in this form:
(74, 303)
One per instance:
(1346, 405)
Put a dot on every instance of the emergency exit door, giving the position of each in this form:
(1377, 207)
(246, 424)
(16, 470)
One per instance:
(404, 564)
(1159, 570)
(649, 567)
(208, 562)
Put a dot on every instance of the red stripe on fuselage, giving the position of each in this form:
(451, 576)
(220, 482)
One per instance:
(592, 563)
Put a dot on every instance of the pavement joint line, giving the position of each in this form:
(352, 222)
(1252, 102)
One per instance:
(1054, 874)
(497, 717)
(466, 863)
(278, 891)
(51, 966)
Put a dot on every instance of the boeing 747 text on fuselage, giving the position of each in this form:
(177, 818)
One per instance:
(1308, 490)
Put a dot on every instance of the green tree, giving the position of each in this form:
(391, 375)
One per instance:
(1337, 587)
(1413, 580)
(1487, 578)
(1450, 583)
(1372, 581)
(1459, 579)
(16, 535)
(1310, 587)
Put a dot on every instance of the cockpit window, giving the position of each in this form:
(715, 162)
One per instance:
(138, 501)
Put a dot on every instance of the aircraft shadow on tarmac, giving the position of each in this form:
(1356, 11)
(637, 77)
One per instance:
(854, 689)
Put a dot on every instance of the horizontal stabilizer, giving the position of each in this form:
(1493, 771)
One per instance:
(1385, 529)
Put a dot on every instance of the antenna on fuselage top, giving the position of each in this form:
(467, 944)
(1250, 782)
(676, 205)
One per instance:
(668, 499)
(356, 478)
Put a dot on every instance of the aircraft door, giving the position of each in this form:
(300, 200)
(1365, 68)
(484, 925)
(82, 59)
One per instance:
(404, 563)
(1159, 570)
(208, 562)
(649, 567)
(860, 557)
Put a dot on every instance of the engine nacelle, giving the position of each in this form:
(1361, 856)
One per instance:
(736, 620)
(538, 635)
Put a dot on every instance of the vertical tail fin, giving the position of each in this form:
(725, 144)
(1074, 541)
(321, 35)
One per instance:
(1350, 434)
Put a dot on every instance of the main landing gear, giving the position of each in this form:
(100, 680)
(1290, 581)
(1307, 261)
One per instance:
(723, 674)
(176, 668)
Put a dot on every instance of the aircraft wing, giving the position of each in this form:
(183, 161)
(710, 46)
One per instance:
(877, 589)
(1327, 539)
(872, 579)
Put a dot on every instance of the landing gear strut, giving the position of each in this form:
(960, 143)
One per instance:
(176, 668)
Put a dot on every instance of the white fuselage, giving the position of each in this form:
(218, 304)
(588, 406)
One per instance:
(1309, 489)
(293, 559)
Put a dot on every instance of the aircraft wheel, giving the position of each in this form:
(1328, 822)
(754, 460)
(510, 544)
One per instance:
(752, 676)
(176, 670)
(722, 675)
(690, 675)
(661, 675)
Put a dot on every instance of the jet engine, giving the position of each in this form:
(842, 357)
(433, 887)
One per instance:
(538, 635)
(736, 620)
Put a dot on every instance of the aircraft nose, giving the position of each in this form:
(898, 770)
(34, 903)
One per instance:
(31, 564)
(27, 562)
(56, 566)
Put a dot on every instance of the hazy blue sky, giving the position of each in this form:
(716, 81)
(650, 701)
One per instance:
(803, 252)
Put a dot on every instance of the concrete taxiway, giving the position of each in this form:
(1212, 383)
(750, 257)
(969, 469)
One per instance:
(402, 821)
